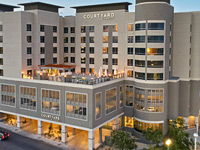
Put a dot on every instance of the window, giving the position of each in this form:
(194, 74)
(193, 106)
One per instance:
(55, 50)
(28, 27)
(155, 51)
(115, 39)
(65, 39)
(42, 61)
(41, 28)
(91, 50)
(54, 39)
(76, 105)
(1, 61)
(155, 76)
(65, 49)
(28, 98)
(42, 39)
(50, 101)
(72, 49)
(140, 39)
(42, 50)
(1, 39)
(130, 73)
(92, 39)
(156, 26)
(29, 50)
(83, 50)
(83, 60)
(115, 50)
(72, 59)
(83, 39)
(114, 61)
(54, 29)
(121, 92)
(105, 61)
(140, 26)
(91, 60)
(66, 30)
(72, 39)
(130, 39)
(72, 29)
(155, 64)
(130, 51)
(155, 101)
(29, 73)
(1, 27)
(155, 39)
(98, 102)
(29, 39)
(83, 70)
(139, 75)
(139, 51)
(55, 60)
(105, 50)
(65, 59)
(140, 99)
(92, 70)
(141, 126)
(83, 29)
(91, 29)
(1, 50)
(130, 27)
(115, 28)
(105, 28)
(8, 95)
(111, 100)
(129, 62)
(1, 72)
(129, 95)
(129, 122)
(29, 62)
(139, 63)
(105, 39)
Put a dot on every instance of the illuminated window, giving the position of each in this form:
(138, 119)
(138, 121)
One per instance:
(121, 96)
(130, 27)
(82, 49)
(105, 39)
(130, 73)
(83, 29)
(8, 94)
(139, 99)
(114, 61)
(111, 100)
(129, 95)
(92, 70)
(155, 64)
(155, 51)
(129, 62)
(129, 122)
(98, 105)
(155, 101)
(83, 60)
(83, 39)
(141, 126)
(115, 28)
(105, 50)
(105, 28)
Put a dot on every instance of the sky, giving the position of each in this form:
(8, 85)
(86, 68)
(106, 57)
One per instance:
(180, 5)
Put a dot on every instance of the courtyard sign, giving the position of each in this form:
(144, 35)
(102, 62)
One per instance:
(50, 117)
(99, 15)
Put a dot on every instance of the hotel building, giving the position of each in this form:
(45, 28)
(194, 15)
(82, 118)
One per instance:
(105, 66)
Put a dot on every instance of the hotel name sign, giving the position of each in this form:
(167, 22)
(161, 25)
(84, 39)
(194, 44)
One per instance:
(50, 117)
(99, 16)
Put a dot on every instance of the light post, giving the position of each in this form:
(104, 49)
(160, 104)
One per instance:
(168, 143)
(195, 142)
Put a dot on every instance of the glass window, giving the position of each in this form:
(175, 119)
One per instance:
(65, 49)
(65, 59)
(1, 61)
(155, 64)
(129, 122)
(115, 28)
(111, 100)
(55, 29)
(92, 39)
(42, 61)
(42, 50)
(72, 29)
(105, 28)
(28, 98)
(72, 39)
(139, 51)
(72, 59)
(115, 50)
(129, 95)
(155, 76)
(91, 50)
(156, 26)
(55, 50)
(155, 51)
(1, 27)
(130, 39)
(8, 94)
(105, 50)
(66, 40)
(92, 70)
(105, 39)
(139, 63)
(140, 26)
(121, 101)
(105, 61)
(42, 39)
(29, 39)
(28, 27)
(140, 99)
(83, 49)
(140, 39)
(54, 39)
(115, 39)
(83, 70)
(130, 27)
(1, 50)
(41, 28)
(141, 126)
(29, 62)
(91, 60)
(91, 29)
(155, 100)
(129, 62)
(98, 105)
(29, 50)
(130, 51)
(1, 72)
(114, 61)
(72, 49)
(55, 60)
(155, 39)
(83, 39)
(83, 29)
(139, 75)
(66, 30)
(130, 73)
(83, 60)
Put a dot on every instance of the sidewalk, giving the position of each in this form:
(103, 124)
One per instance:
(35, 137)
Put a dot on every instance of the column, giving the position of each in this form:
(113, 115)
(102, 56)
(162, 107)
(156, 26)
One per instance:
(38, 75)
(40, 127)
(90, 140)
(100, 135)
(64, 134)
(115, 124)
(74, 131)
(19, 122)
(63, 76)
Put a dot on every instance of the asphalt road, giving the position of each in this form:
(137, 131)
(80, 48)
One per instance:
(18, 142)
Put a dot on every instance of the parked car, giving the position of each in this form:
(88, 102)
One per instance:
(4, 135)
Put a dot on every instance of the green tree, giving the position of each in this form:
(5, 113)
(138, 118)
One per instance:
(155, 136)
(122, 140)
(180, 139)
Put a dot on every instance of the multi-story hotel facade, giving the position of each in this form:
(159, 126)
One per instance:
(103, 66)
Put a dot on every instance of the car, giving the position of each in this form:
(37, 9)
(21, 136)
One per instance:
(4, 135)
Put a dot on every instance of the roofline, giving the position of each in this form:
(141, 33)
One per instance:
(107, 4)
(10, 5)
(24, 4)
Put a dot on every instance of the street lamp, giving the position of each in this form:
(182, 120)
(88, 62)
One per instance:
(168, 143)
(195, 142)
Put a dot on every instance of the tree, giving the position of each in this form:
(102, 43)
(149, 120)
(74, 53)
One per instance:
(180, 139)
(155, 136)
(122, 140)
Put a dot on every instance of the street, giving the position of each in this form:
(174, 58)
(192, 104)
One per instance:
(18, 142)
